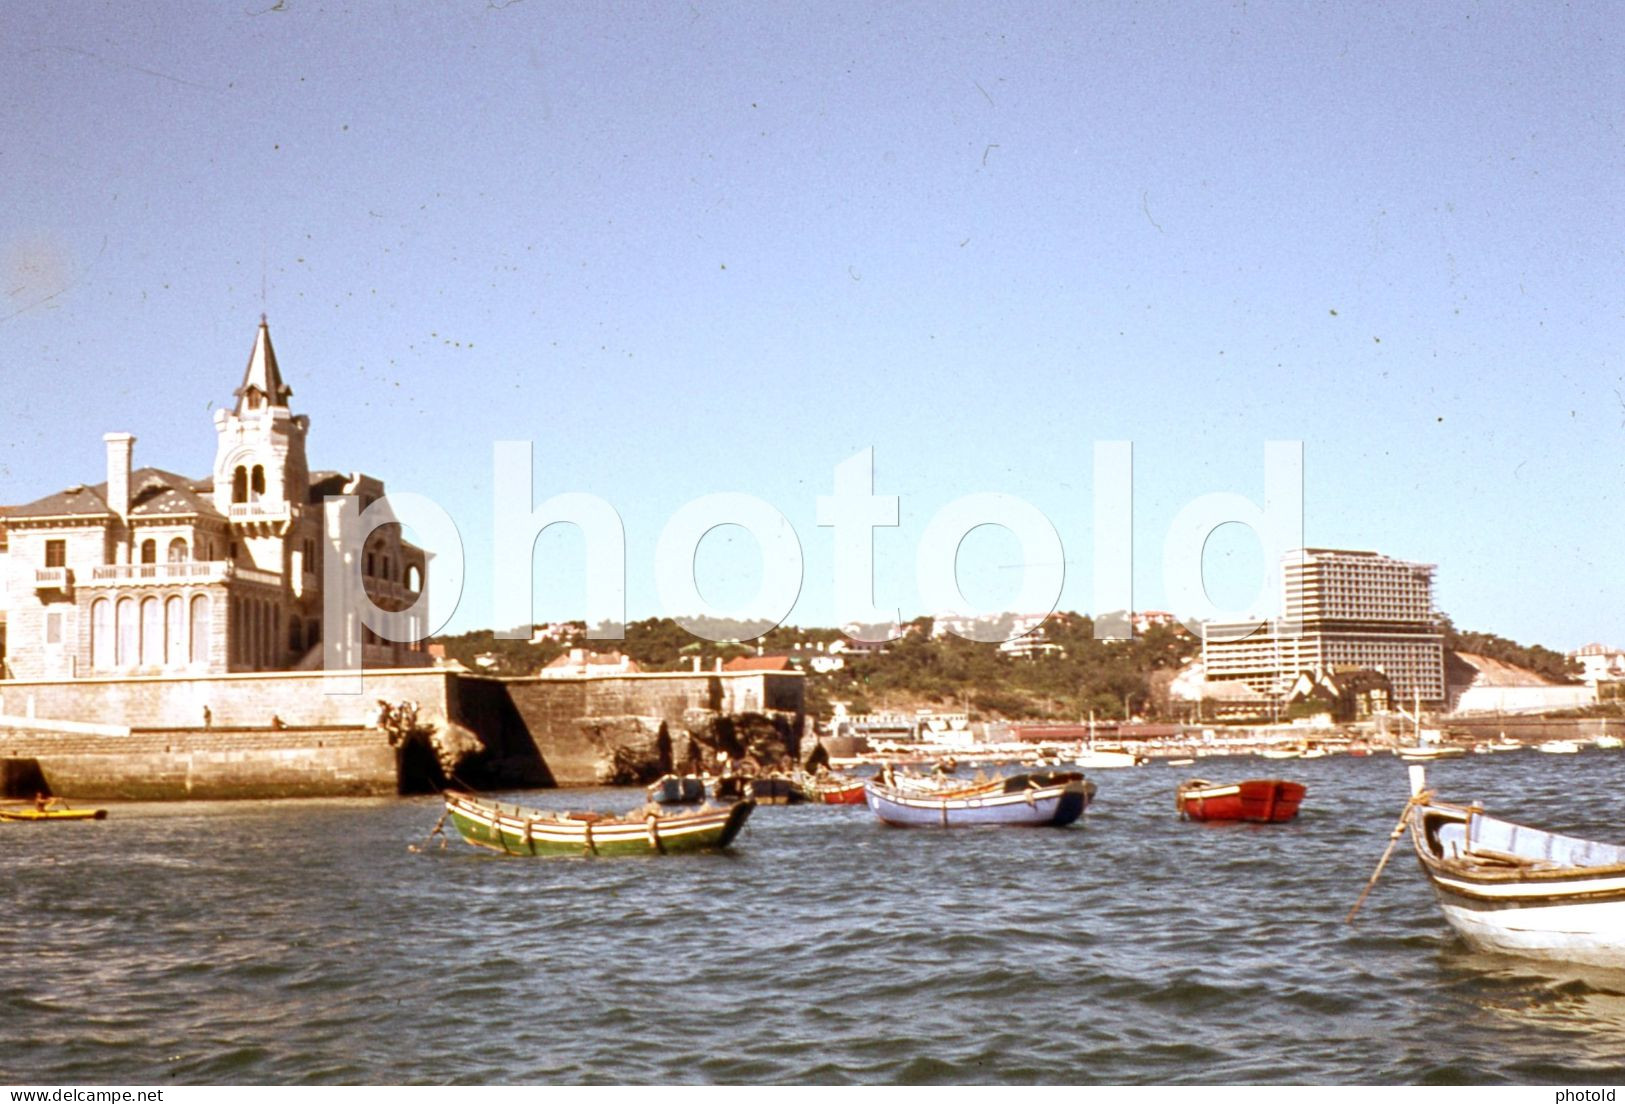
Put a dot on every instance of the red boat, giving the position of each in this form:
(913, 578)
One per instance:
(833, 789)
(1257, 799)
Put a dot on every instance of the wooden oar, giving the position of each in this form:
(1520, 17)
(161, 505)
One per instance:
(1393, 838)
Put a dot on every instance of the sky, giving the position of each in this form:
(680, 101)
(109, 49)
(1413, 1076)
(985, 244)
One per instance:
(701, 248)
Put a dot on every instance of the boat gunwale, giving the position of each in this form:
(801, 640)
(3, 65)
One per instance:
(1462, 871)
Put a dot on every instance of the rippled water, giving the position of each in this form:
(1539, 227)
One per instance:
(302, 942)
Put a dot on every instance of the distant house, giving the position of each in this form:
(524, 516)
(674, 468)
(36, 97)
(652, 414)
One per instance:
(1349, 695)
(579, 662)
(1598, 662)
(557, 630)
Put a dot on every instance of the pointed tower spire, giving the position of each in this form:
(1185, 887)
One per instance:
(262, 383)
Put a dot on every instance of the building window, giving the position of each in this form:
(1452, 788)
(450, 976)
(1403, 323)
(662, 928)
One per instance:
(174, 632)
(257, 485)
(177, 550)
(56, 553)
(53, 628)
(149, 551)
(152, 633)
(101, 634)
(296, 637)
(200, 629)
(414, 579)
(239, 484)
(129, 634)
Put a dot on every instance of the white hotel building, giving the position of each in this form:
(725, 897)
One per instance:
(1341, 610)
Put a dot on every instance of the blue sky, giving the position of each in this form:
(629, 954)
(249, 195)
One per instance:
(707, 247)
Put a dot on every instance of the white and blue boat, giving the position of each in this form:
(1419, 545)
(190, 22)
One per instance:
(1513, 889)
(1024, 800)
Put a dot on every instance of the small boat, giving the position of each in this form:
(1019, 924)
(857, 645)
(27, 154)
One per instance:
(1279, 753)
(833, 789)
(1104, 759)
(674, 789)
(1518, 890)
(1559, 747)
(32, 813)
(1181, 762)
(1262, 800)
(1426, 753)
(516, 830)
(1608, 742)
(774, 790)
(1050, 798)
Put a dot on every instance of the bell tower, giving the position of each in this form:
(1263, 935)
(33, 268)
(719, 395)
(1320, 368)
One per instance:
(261, 476)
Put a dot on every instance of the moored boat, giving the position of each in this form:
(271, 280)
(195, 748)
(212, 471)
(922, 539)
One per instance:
(674, 789)
(1261, 800)
(34, 813)
(1514, 889)
(774, 790)
(516, 830)
(1608, 742)
(833, 789)
(1559, 747)
(1052, 798)
(1425, 753)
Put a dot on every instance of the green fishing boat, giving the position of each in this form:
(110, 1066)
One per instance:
(516, 830)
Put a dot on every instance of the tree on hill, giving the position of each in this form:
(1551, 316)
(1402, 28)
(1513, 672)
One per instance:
(1541, 660)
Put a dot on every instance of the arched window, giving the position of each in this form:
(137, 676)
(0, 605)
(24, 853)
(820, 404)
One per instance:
(200, 629)
(239, 484)
(101, 634)
(257, 484)
(177, 550)
(414, 579)
(174, 631)
(369, 571)
(313, 633)
(296, 637)
(152, 633)
(129, 634)
(149, 551)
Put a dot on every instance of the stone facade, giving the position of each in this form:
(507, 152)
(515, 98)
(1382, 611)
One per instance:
(153, 573)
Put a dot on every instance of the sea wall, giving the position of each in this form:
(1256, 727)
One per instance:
(155, 764)
(293, 698)
(283, 734)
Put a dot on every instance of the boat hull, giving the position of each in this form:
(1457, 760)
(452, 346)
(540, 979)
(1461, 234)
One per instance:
(1590, 934)
(1032, 807)
(1511, 889)
(834, 791)
(514, 830)
(36, 815)
(774, 791)
(1258, 800)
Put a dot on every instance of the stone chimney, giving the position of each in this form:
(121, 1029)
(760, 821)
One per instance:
(120, 447)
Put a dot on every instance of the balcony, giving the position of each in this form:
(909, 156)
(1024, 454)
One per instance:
(54, 578)
(259, 512)
(168, 574)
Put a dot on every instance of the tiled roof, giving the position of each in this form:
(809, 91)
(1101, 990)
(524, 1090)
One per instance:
(155, 492)
(152, 492)
(76, 501)
(758, 663)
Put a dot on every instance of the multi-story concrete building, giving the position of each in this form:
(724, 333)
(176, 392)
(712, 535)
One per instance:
(1341, 611)
(152, 572)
